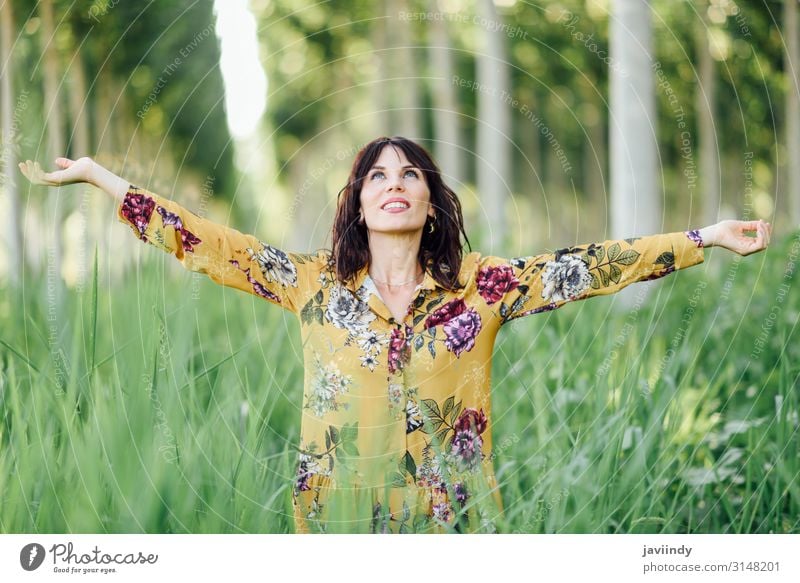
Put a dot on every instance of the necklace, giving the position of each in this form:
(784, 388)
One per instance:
(397, 284)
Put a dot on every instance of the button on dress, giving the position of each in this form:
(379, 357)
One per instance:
(396, 429)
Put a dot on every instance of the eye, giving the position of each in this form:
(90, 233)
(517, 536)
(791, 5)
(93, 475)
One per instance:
(376, 173)
(412, 172)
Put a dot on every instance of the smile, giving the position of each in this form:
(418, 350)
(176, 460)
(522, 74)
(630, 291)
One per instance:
(395, 206)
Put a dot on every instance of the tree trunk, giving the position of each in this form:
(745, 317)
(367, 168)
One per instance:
(595, 172)
(446, 119)
(792, 59)
(406, 87)
(55, 139)
(710, 193)
(11, 120)
(379, 89)
(80, 146)
(494, 129)
(635, 208)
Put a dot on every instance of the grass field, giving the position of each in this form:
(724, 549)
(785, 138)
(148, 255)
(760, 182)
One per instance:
(167, 404)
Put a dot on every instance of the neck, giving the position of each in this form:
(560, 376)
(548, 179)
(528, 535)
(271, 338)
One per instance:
(394, 258)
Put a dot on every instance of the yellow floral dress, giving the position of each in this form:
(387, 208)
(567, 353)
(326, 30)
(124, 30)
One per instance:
(396, 431)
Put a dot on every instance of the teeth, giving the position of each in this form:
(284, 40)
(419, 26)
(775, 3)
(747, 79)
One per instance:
(396, 205)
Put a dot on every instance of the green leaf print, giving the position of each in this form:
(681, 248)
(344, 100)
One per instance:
(628, 257)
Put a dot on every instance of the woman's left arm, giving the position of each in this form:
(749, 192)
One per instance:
(529, 285)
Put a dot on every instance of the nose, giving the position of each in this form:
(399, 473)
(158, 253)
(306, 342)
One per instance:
(395, 182)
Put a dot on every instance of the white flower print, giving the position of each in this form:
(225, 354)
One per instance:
(565, 279)
(413, 416)
(275, 265)
(370, 342)
(429, 472)
(328, 384)
(395, 394)
(369, 361)
(348, 311)
(442, 511)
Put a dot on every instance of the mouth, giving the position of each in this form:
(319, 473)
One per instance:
(395, 206)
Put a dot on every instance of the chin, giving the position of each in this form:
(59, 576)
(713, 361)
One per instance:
(395, 229)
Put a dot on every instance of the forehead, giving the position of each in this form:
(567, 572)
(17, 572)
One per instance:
(392, 157)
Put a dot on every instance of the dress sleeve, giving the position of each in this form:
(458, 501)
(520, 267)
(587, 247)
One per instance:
(529, 285)
(227, 256)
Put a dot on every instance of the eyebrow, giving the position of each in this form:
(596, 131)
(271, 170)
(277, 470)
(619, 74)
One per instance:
(403, 168)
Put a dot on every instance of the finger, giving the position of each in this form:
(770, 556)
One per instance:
(762, 239)
(748, 225)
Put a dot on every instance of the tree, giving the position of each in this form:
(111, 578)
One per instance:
(705, 100)
(791, 62)
(13, 230)
(446, 115)
(635, 208)
(493, 124)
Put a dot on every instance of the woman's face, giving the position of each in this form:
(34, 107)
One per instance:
(394, 179)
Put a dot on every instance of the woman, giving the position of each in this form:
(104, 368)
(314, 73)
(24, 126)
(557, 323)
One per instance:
(398, 329)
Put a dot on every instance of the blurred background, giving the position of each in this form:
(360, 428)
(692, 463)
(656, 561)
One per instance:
(135, 397)
(252, 112)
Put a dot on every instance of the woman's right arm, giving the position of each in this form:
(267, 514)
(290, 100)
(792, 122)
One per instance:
(227, 256)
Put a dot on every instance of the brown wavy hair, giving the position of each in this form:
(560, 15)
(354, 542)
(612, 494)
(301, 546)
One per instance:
(440, 251)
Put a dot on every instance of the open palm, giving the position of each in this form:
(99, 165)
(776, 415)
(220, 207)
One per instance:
(72, 171)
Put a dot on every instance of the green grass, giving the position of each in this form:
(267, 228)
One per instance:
(168, 404)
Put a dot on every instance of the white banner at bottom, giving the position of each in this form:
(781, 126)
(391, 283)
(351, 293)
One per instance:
(519, 558)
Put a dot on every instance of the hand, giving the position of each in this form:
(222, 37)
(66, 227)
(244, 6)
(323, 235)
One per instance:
(730, 234)
(72, 171)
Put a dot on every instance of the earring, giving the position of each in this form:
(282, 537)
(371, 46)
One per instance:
(431, 227)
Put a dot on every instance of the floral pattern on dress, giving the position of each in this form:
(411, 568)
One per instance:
(495, 282)
(413, 416)
(399, 348)
(137, 210)
(275, 265)
(329, 383)
(433, 374)
(348, 311)
(188, 239)
(695, 236)
(565, 279)
(258, 288)
(460, 332)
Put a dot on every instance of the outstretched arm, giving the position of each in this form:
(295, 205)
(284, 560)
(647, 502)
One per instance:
(227, 256)
(529, 285)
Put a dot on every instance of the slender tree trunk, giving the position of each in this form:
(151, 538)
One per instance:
(792, 62)
(446, 119)
(707, 138)
(407, 87)
(530, 178)
(635, 208)
(380, 88)
(494, 129)
(594, 170)
(55, 137)
(11, 125)
(80, 146)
